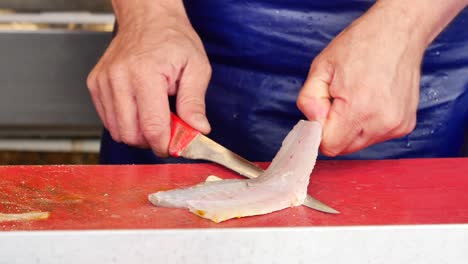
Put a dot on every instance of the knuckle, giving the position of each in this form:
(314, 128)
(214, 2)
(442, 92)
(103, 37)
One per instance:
(206, 69)
(91, 81)
(303, 101)
(115, 74)
(391, 121)
(142, 80)
(192, 102)
(153, 132)
(139, 81)
(138, 65)
(153, 128)
(328, 150)
(134, 66)
(407, 128)
(323, 63)
(116, 69)
(315, 62)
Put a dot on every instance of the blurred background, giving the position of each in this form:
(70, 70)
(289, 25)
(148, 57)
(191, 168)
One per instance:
(47, 48)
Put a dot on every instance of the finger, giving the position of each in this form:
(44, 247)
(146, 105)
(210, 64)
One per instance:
(342, 127)
(125, 106)
(360, 142)
(101, 112)
(373, 132)
(94, 81)
(382, 128)
(314, 98)
(107, 103)
(153, 109)
(93, 88)
(367, 138)
(143, 142)
(190, 101)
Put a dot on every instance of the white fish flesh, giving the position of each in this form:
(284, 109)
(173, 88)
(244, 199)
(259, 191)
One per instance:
(24, 216)
(283, 184)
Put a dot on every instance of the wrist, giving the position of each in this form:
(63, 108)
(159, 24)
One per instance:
(136, 13)
(423, 20)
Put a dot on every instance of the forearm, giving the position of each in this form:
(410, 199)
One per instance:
(425, 18)
(143, 11)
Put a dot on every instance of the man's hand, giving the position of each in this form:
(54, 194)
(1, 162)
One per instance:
(364, 87)
(156, 53)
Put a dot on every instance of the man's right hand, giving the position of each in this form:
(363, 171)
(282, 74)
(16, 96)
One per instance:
(156, 53)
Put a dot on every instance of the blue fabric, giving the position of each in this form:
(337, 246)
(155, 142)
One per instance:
(260, 53)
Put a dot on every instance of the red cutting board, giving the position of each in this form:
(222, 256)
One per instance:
(418, 191)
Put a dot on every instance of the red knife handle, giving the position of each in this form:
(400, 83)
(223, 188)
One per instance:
(182, 135)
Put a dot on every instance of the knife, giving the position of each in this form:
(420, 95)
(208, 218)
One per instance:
(189, 143)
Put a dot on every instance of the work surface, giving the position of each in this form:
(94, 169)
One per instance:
(392, 192)
(395, 211)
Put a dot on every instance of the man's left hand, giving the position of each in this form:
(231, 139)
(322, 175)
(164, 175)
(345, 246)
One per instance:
(364, 87)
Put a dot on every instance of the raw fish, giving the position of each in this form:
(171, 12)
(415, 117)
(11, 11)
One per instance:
(282, 185)
(24, 216)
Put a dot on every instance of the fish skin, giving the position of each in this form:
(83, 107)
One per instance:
(282, 185)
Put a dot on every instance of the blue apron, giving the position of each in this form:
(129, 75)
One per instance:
(260, 52)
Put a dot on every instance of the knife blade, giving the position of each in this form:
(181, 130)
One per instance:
(189, 143)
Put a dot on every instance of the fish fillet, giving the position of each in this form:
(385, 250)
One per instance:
(24, 216)
(282, 185)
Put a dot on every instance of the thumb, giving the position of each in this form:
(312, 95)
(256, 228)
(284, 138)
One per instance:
(314, 97)
(190, 102)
